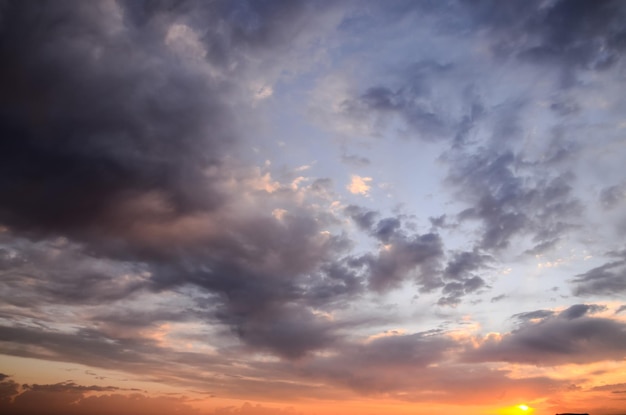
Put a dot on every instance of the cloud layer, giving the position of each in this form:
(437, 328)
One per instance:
(291, 199)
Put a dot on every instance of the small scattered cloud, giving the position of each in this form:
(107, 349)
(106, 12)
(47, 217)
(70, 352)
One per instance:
(359, 185)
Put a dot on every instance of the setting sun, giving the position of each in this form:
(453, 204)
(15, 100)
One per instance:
(516, 410)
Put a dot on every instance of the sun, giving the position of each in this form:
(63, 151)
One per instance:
(516, 410)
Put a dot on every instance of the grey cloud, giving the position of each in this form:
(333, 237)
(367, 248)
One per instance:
(498, 298)
(69, 386)
(401, 366)
(129, 352)
(542, 247)
(383, 230)
(615, 388)
(59, 271)
(8, 388)
(464, 263)
(414, 104)
(372, 367)
(612, 196)
(439, 221)
(533, 315)
(85, 346)
(417, 257)
(322, 185)
(386, 228)
(273, 273)
(364, 218)
(340, 280)
(454, 291)
(509, 190)
(124, 158)
(607, 279)
(577, 34)
(356, 161)
(414, 258)
(579, 310)
(133, 120)
(249, 409)
(290, 331)
(565, 106)
(507, 204)
(71, 399)
(570, 337)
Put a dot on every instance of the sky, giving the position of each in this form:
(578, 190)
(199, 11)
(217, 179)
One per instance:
(293, 207)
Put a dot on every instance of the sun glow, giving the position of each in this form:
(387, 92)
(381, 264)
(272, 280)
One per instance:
(516, 410)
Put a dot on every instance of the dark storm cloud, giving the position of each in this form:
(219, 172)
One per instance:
(96, 112)
(114, 141)
(569, 337)
(607, 279)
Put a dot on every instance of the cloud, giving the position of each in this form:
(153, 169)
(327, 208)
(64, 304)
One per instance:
(507, 204)
(130, 157)
(571, 336)
(249, 409)
(418, 368)
(563, 32)
(355, 161)
(362, 217)
(127, 125)
(612, 196)
(405, 258)
(137, 232)
(607, 279)
(359, 185)
(70, 398)
(460, 276)
(533, 315)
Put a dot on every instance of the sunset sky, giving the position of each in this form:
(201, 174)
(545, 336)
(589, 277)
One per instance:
(293, 207)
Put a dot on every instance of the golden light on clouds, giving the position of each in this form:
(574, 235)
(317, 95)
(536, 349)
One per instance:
(359, 185)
